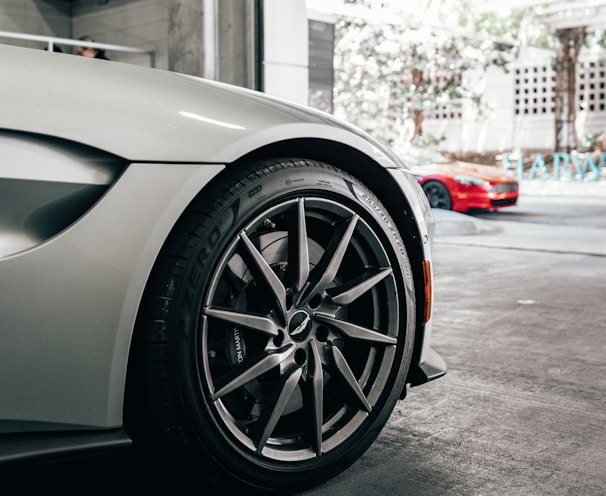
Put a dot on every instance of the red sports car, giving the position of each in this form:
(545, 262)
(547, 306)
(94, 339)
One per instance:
(460, 186)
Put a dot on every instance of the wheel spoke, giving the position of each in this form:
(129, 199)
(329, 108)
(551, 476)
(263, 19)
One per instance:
(354, 331)
(272, 412)
(327, 268)
(346, 294)
(250, 369)
(349, 377)
(301, 253)
(315, 395)
(255, 322)
(268, 275)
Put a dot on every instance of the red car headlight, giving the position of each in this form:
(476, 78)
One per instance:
(471, 181)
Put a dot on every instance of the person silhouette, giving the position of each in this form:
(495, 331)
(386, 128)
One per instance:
(90, 52)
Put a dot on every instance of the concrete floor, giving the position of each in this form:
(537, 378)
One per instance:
(522, 410)
(520, 318)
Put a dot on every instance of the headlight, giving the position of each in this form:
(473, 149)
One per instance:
(471, 181)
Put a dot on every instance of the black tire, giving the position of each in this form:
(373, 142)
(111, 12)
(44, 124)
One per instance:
(277, 326)
(437, 195)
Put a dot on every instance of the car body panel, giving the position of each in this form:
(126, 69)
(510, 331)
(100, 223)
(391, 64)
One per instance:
(71, 295)
(194, 120)
(421, 210)
(47, 184)
(78, 293)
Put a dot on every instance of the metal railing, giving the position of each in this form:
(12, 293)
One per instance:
(51, 41)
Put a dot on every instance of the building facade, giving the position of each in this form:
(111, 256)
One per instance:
(285, 48)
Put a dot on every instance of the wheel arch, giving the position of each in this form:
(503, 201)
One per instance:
(381, 182)
(254, 171)
(371, 173)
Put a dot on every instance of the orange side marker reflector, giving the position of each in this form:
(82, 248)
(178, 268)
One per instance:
(427, 290)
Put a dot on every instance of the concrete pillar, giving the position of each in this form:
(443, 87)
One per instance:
(286, 56)
(237, 42)
(186, 51)
(214, 39)
(260, 44)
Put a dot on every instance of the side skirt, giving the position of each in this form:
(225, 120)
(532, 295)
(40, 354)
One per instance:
(17, 449)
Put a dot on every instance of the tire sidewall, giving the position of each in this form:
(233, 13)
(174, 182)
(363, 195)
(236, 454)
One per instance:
(444, 189)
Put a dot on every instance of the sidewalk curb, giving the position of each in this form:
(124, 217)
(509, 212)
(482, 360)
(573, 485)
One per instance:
(449, 223)
(563, 188)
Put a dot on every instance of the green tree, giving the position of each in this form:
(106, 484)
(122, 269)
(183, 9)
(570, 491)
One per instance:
(564, 29)
(389, 74)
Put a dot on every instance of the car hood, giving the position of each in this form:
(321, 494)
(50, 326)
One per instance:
(144, 114)
(455, 168)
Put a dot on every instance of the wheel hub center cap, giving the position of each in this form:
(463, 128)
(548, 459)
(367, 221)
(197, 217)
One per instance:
(299, 325)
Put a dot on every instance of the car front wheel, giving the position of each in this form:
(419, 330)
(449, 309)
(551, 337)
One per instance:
(437, 195)
(276, 327)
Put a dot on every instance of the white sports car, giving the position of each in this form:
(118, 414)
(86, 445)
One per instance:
(238, 281)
